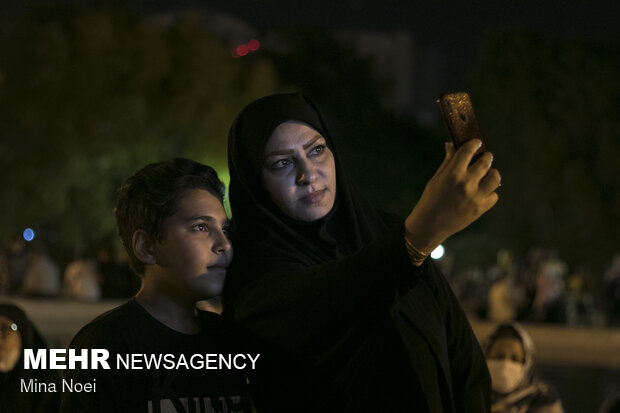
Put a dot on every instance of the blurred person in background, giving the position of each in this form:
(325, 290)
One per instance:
(580, 303)
(17, 333)
(16, 262)
(510, 355)
(4, 275)
(527, 269)
(42, 278)
(81, 280)
(612, 292)
(549, 304)
(501, 301)
(471, 288)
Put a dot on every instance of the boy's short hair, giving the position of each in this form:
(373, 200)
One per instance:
(152, 194)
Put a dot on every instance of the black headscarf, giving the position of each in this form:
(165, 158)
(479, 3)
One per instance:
(257, 221)
(12, 399)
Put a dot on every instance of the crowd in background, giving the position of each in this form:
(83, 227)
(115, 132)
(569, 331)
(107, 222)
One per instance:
(28, 270)
(536, 287)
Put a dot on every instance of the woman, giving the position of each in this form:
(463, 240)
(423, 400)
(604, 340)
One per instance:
(348, 313)
(16, 334)
(510, 357)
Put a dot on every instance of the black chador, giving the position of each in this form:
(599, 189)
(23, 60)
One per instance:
(342, 319)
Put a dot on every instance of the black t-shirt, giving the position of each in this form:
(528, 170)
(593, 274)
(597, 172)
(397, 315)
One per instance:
(130, 329)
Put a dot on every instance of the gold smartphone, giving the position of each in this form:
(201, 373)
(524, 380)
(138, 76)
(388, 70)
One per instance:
(458, 114)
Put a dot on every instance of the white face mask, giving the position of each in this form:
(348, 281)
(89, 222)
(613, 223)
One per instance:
(505, 375)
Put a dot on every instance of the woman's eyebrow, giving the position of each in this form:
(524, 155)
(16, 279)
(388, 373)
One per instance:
(280, 152)
(316, 137)
(291, 151)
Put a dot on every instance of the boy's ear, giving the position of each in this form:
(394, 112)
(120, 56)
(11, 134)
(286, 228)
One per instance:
(142, 245)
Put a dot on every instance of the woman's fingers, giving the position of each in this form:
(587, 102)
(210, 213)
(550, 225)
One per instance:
(480, 168)
(464, 154)
(490, 181)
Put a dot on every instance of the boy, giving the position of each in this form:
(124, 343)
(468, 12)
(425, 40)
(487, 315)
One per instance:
(173, 225)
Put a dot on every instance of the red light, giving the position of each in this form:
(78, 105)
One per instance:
(242, 50)
(253, 45)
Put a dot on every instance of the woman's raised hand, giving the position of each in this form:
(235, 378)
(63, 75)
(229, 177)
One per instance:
(457, 195)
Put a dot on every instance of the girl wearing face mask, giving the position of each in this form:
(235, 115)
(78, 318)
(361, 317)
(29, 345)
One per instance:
(510, 358)
(339, 298)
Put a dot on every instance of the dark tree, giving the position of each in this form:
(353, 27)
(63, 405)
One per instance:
(89, 96)
(550, 111)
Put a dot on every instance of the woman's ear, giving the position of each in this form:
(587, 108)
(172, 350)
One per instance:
(142, 245)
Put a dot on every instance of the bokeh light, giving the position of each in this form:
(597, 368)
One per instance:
(29, 234)
(438, 252)
(253, 45)
(242, 50)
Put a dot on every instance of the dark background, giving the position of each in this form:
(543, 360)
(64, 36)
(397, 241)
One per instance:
(90, 91)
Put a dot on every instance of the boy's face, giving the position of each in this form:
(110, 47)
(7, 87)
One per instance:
(192, 256)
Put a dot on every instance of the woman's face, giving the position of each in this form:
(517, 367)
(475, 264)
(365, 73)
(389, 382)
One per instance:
(10, 344)
(299, 171)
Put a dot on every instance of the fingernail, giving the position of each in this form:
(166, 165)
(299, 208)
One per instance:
(479, 143)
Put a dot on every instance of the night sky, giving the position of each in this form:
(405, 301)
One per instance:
(457, 28)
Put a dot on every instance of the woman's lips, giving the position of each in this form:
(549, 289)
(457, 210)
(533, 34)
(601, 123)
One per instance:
(314, 197)
(217, 270)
